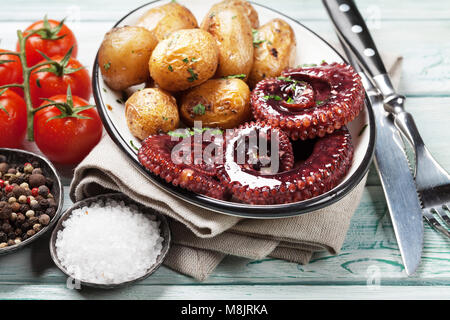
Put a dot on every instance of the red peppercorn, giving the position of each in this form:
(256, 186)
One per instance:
(35, 192)
(9, 188)
(2, 183)
(27, 164)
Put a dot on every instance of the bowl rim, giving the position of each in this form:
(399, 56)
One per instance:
(53, 221)
(117, 196)
(227, 207)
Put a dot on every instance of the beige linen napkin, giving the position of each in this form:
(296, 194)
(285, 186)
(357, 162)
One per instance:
(202, 238)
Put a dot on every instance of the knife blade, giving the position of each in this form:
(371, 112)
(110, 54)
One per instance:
(390, 158)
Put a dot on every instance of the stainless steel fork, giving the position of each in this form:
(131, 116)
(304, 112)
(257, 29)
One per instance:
(432, 181)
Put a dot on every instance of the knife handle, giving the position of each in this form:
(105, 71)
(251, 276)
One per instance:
(352, 29)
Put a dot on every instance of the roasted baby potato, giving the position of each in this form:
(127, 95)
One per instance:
(151, 111)
(123, 55)
(243, 5)
(223, 103)
(167, 18)
(185, 59)
(275, 50)
(232, 30)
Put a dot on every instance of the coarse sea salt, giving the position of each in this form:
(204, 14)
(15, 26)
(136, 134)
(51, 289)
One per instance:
(108, 243)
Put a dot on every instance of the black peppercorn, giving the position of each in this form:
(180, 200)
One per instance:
(25, 226)
(49, 182)
(43, 191)
(24, 208)
(6, 227)
(4, 167)
(3, 237)
(35, 164)
(36, 171)
(43, 204)
(36, 180)
(50, 212)
(20, 218)
(52, 203)
(5, 210)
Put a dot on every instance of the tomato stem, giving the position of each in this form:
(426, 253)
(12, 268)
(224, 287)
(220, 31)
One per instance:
(26, 83)
(15, 85)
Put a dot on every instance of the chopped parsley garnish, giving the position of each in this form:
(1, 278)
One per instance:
(235, 76)
(288, 79)
(275, 97)
(170, 68)
(186, 133)
(233, 17)
(179, 133)
(199, 109)
(193, 76)
(319, 102)
(165, 118)
(194, 59)
(308, 65)
(185, 60)
(134, 147)
(362, 130)
(107, 65)
(38, 83)
(104, 90)
(256, 40)
(289, 100)
(119, 101)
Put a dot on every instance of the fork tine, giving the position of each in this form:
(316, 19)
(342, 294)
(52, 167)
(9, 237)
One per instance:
(435, 223)
(443, 216)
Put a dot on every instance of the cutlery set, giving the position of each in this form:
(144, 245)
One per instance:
(410, 196)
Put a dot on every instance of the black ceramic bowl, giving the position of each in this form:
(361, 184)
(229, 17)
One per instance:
(164, 227)
(19, 157)
(311, 49)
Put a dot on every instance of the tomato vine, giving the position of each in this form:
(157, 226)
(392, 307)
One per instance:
(47, 32)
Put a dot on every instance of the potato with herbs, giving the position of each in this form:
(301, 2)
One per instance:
(151, 111)
(232, 30)
(223, 103)
(275, 50)
(243, 5)
(185, 59)
(123, 55)
(167, 18)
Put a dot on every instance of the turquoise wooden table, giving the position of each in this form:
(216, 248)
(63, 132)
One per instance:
(369, 265)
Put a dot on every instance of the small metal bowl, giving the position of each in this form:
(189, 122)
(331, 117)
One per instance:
(164, 227)
(17, 157)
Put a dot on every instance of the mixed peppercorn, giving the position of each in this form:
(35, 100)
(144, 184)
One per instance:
(26, 203)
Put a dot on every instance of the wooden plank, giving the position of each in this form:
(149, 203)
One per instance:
(369, 252)
(426, 64)
(300, 9)
(238, 292)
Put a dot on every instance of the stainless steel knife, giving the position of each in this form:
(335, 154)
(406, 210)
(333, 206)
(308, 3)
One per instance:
(390, 159)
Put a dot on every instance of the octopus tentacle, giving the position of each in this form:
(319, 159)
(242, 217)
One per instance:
(310, 101)
(156, 156)
(323, 170)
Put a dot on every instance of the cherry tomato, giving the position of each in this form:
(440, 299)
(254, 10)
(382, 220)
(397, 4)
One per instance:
(67, 140)
(45, 84)
(11, 72)
(46, 45)
(13, 119)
